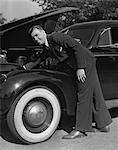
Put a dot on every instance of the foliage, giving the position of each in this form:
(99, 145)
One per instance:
(108, 9)
(15, 19)
(88, 10)
(2, 19)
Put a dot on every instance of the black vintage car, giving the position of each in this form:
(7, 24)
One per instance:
(32, 101)
(101, 37)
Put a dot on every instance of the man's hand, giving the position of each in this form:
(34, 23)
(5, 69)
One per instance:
(51, 61)
(81, 75)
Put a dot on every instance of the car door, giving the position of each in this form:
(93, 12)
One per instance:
(106, 52)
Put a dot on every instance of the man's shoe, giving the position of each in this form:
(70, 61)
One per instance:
(105, 129)
(74, 134)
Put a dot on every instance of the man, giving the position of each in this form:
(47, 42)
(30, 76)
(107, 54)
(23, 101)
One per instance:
(90, 97)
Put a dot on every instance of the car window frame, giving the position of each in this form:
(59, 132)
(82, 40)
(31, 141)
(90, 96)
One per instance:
(111, 44)
(106, 29)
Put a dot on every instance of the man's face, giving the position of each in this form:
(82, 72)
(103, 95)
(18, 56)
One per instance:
(39, 36)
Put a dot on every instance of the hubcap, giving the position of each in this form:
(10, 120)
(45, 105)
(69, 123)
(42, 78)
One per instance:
(35, 114)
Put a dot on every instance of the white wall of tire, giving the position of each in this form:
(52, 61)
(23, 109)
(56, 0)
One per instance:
(24, 99)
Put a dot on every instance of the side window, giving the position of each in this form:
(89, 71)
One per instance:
(114, 34)
(109, 37)
(105, 38)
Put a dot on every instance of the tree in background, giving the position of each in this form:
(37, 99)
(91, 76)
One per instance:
(2, 19)
(108, 9)
(95, 9)
(88, 10)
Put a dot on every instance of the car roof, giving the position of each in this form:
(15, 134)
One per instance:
(93, 24)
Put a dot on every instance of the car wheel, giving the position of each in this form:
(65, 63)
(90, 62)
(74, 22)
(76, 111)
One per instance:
(35, 115)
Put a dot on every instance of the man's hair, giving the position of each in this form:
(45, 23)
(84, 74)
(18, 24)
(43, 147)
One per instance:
(35, 27)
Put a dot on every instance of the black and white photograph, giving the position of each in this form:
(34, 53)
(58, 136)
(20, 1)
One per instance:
(58, 74)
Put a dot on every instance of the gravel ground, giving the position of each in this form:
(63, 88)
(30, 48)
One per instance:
(94, 141)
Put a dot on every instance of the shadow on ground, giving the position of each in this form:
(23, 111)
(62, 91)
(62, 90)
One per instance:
(114, 112)
(6, 134)
(66, 124)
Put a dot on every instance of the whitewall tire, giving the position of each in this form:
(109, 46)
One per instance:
(35, 115)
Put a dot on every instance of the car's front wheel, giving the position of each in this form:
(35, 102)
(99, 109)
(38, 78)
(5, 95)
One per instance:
(35, 115)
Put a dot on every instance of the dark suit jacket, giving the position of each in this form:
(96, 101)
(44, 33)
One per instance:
(65, 49)
(69, 50)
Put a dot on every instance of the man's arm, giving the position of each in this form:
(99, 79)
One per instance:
(31, 65)
(70, 43)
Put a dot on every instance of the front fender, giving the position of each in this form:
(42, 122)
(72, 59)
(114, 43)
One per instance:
(21, 80)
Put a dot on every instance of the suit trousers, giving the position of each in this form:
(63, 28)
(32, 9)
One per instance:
(91, 102)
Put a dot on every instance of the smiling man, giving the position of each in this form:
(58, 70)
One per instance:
(83, 63)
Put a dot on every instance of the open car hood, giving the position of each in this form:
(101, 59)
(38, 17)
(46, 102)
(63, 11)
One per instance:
(15, 34)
